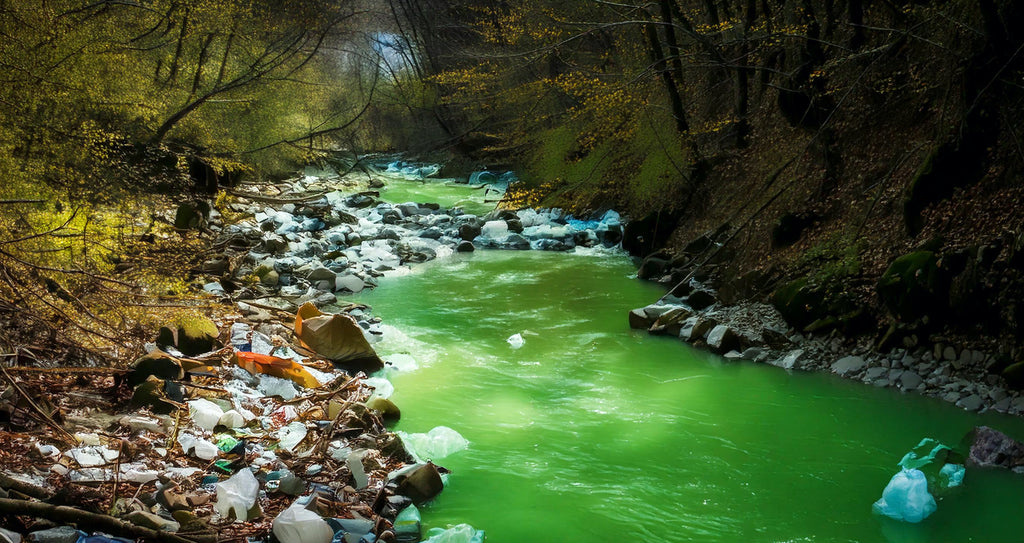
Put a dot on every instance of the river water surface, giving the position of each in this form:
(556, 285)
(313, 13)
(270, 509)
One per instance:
(592, 432)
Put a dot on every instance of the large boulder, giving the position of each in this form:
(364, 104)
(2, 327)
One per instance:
(800, 302)
(723, 339)
(914, 285)
(992, 448)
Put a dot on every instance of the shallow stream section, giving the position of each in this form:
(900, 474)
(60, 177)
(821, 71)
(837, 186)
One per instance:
(591, 432)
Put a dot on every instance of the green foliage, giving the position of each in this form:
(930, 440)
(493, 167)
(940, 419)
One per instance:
(833, 260)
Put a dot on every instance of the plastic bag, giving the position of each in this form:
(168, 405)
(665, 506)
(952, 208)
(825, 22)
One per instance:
(435, 444)
(407, 525)
(336, 337)
(906, 497)
(205, 413)
(516, 341)
(237, 494)
(296, 524)
(952, 475)
(461, 533)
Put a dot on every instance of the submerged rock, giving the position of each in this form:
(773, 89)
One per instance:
(991, 448)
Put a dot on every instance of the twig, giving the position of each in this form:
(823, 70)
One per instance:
(68, 438)
(63, 514)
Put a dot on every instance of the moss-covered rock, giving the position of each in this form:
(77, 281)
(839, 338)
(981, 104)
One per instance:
(914, 286)
(191, 334)
(800, 302)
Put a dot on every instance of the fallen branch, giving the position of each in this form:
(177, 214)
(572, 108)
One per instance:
(273, 200)
(22, 487)
(63, 514)
(64, 434)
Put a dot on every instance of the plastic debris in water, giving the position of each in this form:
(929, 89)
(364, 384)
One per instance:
(906, 497)
(461, 533)
(435, 444)
(516, 341)
(952, 475)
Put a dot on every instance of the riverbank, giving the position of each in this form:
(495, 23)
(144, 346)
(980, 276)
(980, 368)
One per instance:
(757, 332)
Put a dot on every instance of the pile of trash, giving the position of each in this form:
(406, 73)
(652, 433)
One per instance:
(220, 433)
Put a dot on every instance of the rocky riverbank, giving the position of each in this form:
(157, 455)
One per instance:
(263, 420)
(757, 332)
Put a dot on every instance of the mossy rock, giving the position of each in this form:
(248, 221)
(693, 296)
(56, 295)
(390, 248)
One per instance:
(914, 286)
(800, 303)
(192, 215)
(192, 335)
(389, 412)
(1014, 375)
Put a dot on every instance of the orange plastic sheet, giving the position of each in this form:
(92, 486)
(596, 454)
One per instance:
(278, 367)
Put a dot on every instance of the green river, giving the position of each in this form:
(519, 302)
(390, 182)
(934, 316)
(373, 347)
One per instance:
(592, 432)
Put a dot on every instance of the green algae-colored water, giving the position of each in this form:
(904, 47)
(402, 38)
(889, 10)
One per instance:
(592, 432)
(446, 192)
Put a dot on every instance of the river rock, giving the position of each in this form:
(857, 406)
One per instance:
(652, 267)
(874, 373)
(970, 403)
(422, 484)
(517, 241)
(671, 322)
(753, 354)
(351, 283)
(700, 299)
(469, 231)
(992, 448)
(702, 328)
(910, 380)
(321, 274)
(848, 365)
(793, 361)
(432, 233)
(465, 246)
(638, 319)
(722, 338)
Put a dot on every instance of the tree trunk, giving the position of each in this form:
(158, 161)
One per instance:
(657, 54)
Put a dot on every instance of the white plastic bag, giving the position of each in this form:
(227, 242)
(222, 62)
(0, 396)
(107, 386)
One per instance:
(205, 413)
(296, 524)
(516, 341)
(435, 444)
(237, 494)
